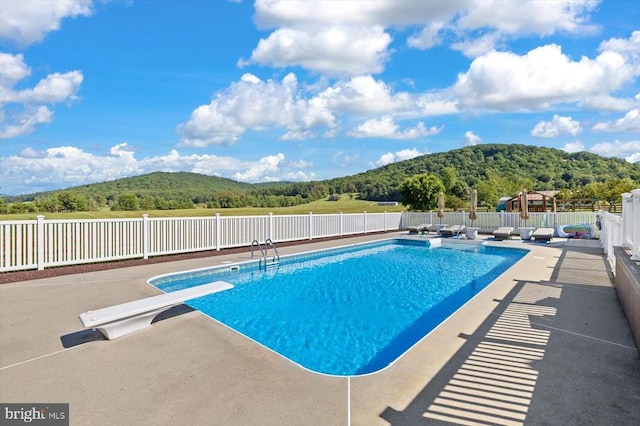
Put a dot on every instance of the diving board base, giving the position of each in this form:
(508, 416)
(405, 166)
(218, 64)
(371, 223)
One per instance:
(129, 325)
(119, 320)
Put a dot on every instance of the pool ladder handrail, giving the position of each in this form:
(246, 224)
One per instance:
(268, 242)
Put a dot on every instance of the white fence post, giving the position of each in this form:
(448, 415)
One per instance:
(40, 244)
(635, 225)
(218, 232)
(341, 224)
(365, 222)
(145, 236)
(310, 225)
(627, 219)
(270, 232)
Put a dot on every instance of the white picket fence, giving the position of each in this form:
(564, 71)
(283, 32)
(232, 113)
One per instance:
(624, 230)
(41, 243)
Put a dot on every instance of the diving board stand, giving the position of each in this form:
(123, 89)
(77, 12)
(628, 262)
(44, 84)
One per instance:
(125, 318)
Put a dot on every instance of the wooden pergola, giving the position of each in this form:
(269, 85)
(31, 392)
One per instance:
(537, 201)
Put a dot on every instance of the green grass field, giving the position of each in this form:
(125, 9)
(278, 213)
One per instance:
(345, 205)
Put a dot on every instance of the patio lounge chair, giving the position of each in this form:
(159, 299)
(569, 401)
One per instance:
(118, 320)
(452, 230)
(543, 234)
(503, 233)
(420, 229)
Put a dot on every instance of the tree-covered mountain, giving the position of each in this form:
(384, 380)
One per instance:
(493, 169)
(507, 168)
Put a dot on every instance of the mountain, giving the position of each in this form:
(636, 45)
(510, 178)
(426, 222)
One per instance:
(537, 167)
(507, 166)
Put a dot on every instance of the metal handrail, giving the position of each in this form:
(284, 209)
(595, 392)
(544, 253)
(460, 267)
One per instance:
(256, 242)
(268, 242)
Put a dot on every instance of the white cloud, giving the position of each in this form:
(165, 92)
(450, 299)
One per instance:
(390, 157)
(428, 37)
(475, 47)
(262, 105)
(542, 77)
(629, 123)
(629, 47)
(607, 102)
(54, 88)
(630, 151)
(263, 167)
(558, 126)
(529, 16)
(27, 22)
(471, 138)
(385, 127)
(571, 147)
(66, 166)
(21, 111)
(364, 95)
(352, 38)
(435, 104)
(12, 69)
(330, 50)
(25, 122)
(258, 105)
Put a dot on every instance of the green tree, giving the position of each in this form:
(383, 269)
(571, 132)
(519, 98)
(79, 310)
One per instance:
(420, 192)
(127, 201)
(70, 201)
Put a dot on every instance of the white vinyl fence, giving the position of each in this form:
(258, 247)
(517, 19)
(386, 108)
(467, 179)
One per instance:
(39, 244)
(489, 222)
(622, 230)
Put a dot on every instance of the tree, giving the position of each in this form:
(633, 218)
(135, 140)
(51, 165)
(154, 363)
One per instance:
(610, 191)
(420, 192)
(71, 202)
(127, 201)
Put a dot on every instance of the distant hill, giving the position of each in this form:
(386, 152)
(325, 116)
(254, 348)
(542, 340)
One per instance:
(162, 184)
(542, 168)
(507, 165)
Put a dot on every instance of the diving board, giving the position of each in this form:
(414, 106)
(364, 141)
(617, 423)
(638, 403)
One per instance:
(118, 320)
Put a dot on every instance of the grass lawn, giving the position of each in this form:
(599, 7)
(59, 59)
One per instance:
(345, 205)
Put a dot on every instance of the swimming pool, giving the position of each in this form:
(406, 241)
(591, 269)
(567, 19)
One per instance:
(350, 310)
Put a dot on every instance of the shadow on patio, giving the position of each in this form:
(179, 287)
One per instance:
(556, 352)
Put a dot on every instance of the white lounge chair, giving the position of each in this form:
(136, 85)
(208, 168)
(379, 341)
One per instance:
(420, 229)
(125, 318)
(452, 230)
(543, 234)
(503, 233)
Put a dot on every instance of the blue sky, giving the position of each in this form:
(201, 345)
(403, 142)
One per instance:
(304, 90)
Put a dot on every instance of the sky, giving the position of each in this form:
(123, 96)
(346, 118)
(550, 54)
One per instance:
(272, 90)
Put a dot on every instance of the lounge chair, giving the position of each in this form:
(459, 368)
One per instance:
(452, 230)
(503, 233)
(420, 229)
(543, 234)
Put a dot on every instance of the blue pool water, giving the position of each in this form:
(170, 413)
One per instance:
(351, 310)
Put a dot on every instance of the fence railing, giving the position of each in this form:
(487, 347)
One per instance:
(489, 222)
(622, 231)
(40, 243)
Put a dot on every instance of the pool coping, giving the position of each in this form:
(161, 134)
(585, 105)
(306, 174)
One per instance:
(190, 370)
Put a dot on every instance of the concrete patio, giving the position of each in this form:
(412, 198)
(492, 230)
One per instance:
(545, 344)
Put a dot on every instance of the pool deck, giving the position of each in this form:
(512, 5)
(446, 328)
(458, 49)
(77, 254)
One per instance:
(545, 344)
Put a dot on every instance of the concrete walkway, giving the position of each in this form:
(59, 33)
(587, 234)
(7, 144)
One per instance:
(546, 343)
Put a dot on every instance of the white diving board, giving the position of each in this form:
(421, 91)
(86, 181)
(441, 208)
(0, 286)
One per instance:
(125, 318)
